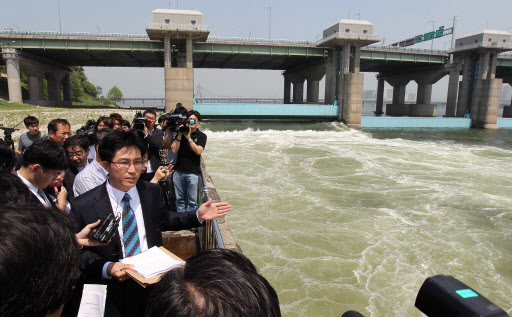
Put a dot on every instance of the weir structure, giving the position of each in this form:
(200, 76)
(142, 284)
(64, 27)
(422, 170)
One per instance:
(178, 42)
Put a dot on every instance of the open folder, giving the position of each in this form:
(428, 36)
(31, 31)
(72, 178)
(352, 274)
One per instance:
(151, 265)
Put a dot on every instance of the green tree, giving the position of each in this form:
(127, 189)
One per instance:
(115, 94)
(99, 90)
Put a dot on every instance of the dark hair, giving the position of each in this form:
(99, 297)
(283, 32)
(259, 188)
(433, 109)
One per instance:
(126, 123)
(106, 121)
(149, 111)
(99, 135)
(77, 140)
(47, 153)
(52, 125)
(181, 110)
(117, 140)
(30, 120)
(116, 116)
(195, 113)
(217, 282)
(39, 262)
(13, 190)
(7, 158)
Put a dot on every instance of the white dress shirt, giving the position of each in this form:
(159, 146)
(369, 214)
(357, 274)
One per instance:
(44, 200)
(91, 176)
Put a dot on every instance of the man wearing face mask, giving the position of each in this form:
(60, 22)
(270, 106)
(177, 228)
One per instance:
(187, 170)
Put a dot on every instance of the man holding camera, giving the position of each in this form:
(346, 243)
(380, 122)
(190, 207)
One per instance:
(189, 146)
(154, 138)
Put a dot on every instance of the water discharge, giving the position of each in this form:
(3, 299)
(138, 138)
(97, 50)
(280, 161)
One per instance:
(339, 219)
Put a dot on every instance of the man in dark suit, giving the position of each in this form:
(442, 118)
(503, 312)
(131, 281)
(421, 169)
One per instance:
(154, 138)
(42, 163)
(143, 216)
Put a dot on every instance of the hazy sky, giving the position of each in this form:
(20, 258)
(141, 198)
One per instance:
(298, 19)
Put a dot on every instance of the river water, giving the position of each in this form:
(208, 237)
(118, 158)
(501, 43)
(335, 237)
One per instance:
(340, 219)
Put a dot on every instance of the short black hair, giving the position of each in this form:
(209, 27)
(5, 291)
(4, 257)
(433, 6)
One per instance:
(126, 123)
(30, 120)
(13, 190)
(181, 110)
(47, 153)
(195, 113)
(52, 125)
(149, 111)
(106, 121)
(117, 140)
(39, 262)
(216, 282)
(116, 116)
(77, 140)
(99, 135)
(7, 158)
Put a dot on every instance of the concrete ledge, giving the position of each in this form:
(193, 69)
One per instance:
(422, 110)
(397, 110)
(408, 122)
(504, 123)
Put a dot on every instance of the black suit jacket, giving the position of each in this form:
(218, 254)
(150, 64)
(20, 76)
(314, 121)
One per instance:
(124, 298)
(155, 142)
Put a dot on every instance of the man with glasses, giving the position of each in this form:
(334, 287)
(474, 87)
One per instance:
(93, 174)
(59, 130)
(154, 138)
(143, 217)
(78, 149)
(187, 170)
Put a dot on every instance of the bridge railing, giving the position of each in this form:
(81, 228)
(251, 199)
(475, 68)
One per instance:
(258, 40)
(72, 34)
(177, 26)
(408, 49)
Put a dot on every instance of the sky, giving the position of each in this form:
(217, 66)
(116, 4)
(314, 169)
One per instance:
(394, 20)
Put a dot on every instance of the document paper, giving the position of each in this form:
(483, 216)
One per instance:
(93, 301)
(152, 262)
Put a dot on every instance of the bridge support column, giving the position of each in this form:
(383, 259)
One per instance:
(313, 77)
(35, 85)
(453, 86)
(10, 55)
(179, 81)
(398, 107)
(330, 77)
(351, 89)
(298, 90)
(66, 86)
(54, 87)
(287, 90)
(380, 96)
(465, 86)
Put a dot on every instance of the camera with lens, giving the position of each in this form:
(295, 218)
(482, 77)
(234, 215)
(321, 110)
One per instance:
(176, 123)
(139, 122)
(106, 229)
(8, 135)
(87, 130)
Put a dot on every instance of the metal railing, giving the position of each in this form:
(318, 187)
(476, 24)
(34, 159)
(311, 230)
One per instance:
(497, 45)
(210, 233)
(73, 34)
(258, 40)
(356, 36)
(177, 26)
(408, 49)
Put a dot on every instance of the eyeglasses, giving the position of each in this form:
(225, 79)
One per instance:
(123, 166)
(77, 154)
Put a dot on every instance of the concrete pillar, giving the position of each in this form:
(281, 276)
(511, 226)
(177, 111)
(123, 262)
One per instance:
(287, 89)
(489, 104)
(399, 93)
(298, 91)
(190, 51)
(338, 85)
(424, 95)
(451, 99)
(167, 51)
(66, 85)
(345, 68)
(10, 55)
(380, 95)
(492, 65)
(54, 92)
(465, 86)
(179, 81)
(35, 86)
(357, 59)
(312, 93)
(352, 99)
(330, 79)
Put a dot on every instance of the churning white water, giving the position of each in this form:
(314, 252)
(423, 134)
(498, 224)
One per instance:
(339, 219)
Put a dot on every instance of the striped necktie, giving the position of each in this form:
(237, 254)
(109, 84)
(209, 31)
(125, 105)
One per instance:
(130, 230)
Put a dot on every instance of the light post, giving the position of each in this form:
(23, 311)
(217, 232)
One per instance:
(433, 35)
(269, 21)
(383, 41)
(60, 24)
(99, 31)
(358, 16)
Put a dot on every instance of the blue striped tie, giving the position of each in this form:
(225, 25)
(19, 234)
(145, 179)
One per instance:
(130, 230)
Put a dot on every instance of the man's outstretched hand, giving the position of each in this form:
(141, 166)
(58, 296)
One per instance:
(209, 210)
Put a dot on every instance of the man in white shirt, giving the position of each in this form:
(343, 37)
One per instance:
(77, 147)
(143, 215)
(42, 163)
(93, 174)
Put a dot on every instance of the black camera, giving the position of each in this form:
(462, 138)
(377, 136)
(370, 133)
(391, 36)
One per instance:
(87, 130)
(176, 123)
(8, 135)
(139, 122)
(106, 230)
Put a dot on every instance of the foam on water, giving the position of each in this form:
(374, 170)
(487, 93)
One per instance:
(339, 219)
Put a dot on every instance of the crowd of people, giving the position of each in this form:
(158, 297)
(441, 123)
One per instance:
(56, 188)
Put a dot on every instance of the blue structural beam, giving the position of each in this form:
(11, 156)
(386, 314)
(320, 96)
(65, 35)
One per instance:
(411, 122)
(267, 111)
